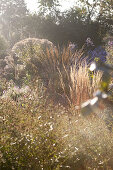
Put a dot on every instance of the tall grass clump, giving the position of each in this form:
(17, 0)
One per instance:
(83, 86)
(68, 78)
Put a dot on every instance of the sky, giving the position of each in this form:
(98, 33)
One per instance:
(32, 5)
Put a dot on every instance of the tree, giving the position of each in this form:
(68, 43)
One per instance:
(105, 16)
(13, 13)
(49, 8)
(48, 4)
(101, 11)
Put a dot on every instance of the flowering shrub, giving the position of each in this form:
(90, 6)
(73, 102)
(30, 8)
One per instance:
(24, 59)
(15, 92)
(90, 53)
(98, 53)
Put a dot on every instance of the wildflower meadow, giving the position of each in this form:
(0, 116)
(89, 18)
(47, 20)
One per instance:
(42, 120)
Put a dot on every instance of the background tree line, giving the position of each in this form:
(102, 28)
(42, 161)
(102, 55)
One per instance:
(76, 24)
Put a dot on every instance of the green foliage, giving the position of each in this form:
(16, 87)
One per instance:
(49, 7)
(48, 3)
(101, 11)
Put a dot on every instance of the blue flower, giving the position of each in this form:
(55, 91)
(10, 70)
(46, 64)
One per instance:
(98, 53)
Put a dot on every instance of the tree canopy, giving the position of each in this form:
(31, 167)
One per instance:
(12, 17)
(76, 24)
